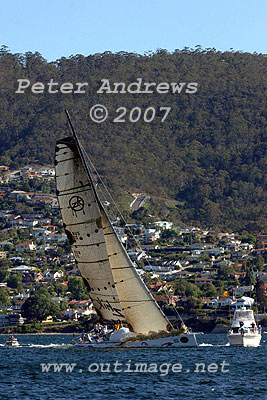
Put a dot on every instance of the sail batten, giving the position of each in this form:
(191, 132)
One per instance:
(116, 289)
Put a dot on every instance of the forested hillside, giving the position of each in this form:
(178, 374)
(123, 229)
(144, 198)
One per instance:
(209, 154)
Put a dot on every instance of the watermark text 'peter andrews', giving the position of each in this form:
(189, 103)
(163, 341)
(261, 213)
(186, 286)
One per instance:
(139, 86)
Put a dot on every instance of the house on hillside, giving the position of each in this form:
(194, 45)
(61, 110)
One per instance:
(56, 237)
(11, 320)
(27, 246)
(244, 301)
(53, 276)
(30, 222)
(236, 255)
(197, 246)
(22, 269)
(150, 235)
(31, 277)
(162, 225)
(202, 281)
(220, 302)
(233, 245)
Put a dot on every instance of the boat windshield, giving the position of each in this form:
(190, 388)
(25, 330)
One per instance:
(244, 315)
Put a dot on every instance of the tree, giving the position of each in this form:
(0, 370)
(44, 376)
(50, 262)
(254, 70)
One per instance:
(5, 263)
(224, 271)
(39, 306)
(260, 262)
(191, 305)
(218, 175)
(210, 238)
(250, 279)
(77, 288)
(3, 275)
(186, 288)
(14, 281)
(260, 296)
(249, 239)
(169, 233)
(209, 290)
(4, 298)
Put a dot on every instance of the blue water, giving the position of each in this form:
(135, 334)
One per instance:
(21, 375)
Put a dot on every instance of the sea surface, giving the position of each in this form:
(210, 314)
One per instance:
(224, 372)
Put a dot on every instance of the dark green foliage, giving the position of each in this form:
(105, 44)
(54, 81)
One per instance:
(259, 262)
(260, 296)
(14, 281)
(3, 275)
(39, 306)
(184, 288)
(4, 298)
(250, 278)
(209, 290)
(77, 288)
(209, 154)
(169, 233)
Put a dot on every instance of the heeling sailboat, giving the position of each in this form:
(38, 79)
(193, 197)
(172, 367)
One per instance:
(115, 287)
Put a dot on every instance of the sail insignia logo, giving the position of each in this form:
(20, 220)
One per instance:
(76, 204)
(105, 304)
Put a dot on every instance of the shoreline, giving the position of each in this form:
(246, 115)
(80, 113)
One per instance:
(43, 333)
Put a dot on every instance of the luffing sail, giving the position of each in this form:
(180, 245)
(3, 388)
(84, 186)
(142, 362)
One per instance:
(117, 291)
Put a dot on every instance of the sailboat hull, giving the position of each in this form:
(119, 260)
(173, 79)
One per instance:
(185, 340)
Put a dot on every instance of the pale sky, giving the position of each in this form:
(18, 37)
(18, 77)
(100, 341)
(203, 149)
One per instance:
(57, 28)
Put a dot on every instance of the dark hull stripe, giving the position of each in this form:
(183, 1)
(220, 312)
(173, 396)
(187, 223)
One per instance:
(78, 191)
(91, 244)
(66, 159)
(89, 221)
(78, 187)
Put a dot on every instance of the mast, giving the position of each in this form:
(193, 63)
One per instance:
(115, 287)
(81, 154)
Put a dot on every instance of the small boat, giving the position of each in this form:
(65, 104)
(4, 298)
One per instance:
(243, 330)
(12, 342)
(116, 289)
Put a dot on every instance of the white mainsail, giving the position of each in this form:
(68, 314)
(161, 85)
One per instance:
(117, 291)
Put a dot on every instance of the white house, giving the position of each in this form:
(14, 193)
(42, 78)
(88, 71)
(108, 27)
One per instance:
(162, 224)
(220, 302)
(243, 302)
(151, 234)
(22, 269)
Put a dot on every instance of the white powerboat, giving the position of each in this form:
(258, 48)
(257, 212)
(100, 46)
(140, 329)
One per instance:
(12, 342)
(244, 331)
